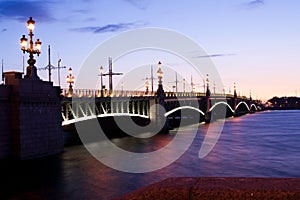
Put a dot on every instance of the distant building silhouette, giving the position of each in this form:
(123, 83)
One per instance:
(282, 103)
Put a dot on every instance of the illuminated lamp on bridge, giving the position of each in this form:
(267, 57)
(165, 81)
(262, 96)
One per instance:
(160, 90)
(31, 71)
(101, 80)
(183, 85)
(147, 86)
(70, 79)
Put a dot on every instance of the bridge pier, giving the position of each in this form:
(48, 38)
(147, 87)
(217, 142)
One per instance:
(236, 112)
(207, 116)
(34, 117)
(158, 114)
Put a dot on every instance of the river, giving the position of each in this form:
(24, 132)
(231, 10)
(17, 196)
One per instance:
(265, 144)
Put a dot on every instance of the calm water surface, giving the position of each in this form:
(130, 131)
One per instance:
(265, 144)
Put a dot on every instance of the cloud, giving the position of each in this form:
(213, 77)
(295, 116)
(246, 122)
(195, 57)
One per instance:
(107, 28)
(213, 55)
(141, 4)
(254, 3)
(21, 10)
(81, 11)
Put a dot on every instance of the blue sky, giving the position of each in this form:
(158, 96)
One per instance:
(255, 43)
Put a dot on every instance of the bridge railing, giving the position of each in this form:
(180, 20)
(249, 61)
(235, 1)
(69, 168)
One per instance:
(136, 93)
(195, 94)
(105, 93)
(184, 94)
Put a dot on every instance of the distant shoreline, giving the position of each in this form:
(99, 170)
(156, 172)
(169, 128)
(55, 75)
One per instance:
(283, 103)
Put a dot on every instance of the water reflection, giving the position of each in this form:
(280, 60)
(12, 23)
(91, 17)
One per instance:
(258, 145)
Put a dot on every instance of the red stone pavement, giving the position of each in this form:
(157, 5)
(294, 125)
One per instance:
(218, 188)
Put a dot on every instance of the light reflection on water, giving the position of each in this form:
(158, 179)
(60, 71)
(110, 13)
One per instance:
(265, 144)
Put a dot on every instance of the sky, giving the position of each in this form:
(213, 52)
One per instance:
(255, 43)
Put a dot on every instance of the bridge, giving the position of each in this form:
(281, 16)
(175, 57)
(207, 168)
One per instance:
(47, 104)
(86, 104)
(34, 111)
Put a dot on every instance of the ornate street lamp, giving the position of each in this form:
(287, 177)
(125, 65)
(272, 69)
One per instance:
(70, 80)
(122, 88)
(101, 81)
(31, 70)
(207, 86)
(183, 82)
(147, 85)
(234, 89)
(215, 88)
(160, 90)
(159, 74)
(234, 95)
(207, 81)
(208, 102)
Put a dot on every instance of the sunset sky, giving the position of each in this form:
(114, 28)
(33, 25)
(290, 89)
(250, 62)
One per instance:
(255, 43)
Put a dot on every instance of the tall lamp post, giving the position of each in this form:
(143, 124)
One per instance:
(58, 73)
(70, 80)
(147, 86)
(160, 90)
(234, 89)
(215, 88)
(101, 80)
(122, 88)
(207, 85)
(183, 82)
(31, 70)
(159, 74)
(234, 95)
(207, 94)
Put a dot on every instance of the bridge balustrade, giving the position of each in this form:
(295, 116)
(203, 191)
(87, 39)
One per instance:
(97, 93)
(76, 109)
(137, 93)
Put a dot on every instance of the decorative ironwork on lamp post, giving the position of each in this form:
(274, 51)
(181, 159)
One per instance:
(183, 85)
(234, 90)
(147, 86)
(234, 95)
(207, 86)
(208, 94)
(160, 90)
(101, 80)
(159, 74)
(215, 88)
(70, 80)
(31, 70)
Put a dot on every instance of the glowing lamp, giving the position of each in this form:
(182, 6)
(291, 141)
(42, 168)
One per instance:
(23, 42)
(38, 45)
(30, 24)
(159, 73)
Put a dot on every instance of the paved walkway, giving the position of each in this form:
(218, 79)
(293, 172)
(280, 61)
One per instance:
(219, 188)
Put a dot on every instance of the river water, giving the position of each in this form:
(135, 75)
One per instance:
(265, 144)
